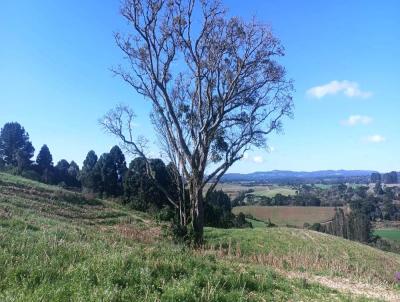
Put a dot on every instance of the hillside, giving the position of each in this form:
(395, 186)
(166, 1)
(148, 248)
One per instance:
(57, 245)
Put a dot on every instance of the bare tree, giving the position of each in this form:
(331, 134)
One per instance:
(214, 83)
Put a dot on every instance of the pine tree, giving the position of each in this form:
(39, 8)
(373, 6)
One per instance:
(44, 159)
(15, 148)
(87, 174)
(44, 162)
(120, 165)
(62, 172)
(73, 173)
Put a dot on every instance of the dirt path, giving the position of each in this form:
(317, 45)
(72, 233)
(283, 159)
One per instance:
(344, 285)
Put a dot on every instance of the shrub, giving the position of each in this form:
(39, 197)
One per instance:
(31, 174)
(316, 227)
(240, 221)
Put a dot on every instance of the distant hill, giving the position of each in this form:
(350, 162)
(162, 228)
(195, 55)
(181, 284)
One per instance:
(281, 175)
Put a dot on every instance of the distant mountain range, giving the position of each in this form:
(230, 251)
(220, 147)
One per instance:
(294, 175)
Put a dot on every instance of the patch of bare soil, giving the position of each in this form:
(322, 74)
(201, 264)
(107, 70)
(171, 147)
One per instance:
(344, 285)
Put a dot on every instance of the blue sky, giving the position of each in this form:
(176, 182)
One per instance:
(342, 55)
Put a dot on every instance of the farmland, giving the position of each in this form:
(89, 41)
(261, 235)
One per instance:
(233, 189)
(391, 234)
(288, 215)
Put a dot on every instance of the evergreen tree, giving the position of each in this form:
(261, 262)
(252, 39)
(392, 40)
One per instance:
(44, 159)
(218, 210)
(15, 148)
(44, 162)
(109, 176)
(87, 176)
(89, 162)
(73, 173)
(120, 166)
(376, 177)
(390, 178)
(140, 189)
(62, 172)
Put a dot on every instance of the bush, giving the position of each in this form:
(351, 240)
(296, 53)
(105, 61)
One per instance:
(166, 213)
(31, 174)
(316, 227)
(240, 221)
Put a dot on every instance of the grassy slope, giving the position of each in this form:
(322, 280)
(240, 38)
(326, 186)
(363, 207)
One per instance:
(59, 246)
(304, 250)
(288, 215)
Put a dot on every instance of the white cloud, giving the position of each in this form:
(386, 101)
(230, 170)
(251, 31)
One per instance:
(357, 120)
(375, 139)
(258, 159)
(349, 89)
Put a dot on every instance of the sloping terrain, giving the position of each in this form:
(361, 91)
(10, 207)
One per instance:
(57, 245)
(307, 251)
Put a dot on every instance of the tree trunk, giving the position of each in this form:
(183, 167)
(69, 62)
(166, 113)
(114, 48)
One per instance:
(197, 211)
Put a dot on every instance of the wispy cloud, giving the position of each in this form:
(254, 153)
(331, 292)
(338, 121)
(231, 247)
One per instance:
(348, 88)
(376, 138)
(356, 119)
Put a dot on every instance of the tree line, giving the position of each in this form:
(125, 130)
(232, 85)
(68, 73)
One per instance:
(109, 176)
(16, 156)
(386, 178)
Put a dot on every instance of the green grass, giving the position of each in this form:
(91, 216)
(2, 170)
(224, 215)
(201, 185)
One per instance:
(60, 247)
(256, 223)
(391, 234)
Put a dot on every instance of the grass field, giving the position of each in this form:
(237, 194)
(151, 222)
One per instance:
(232, 189)
(288, 215)
(56, 245)
(392, 234)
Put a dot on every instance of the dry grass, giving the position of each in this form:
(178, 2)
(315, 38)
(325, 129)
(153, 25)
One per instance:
(288, 215)
(305, 251)
(144, 235)
(233, 189)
